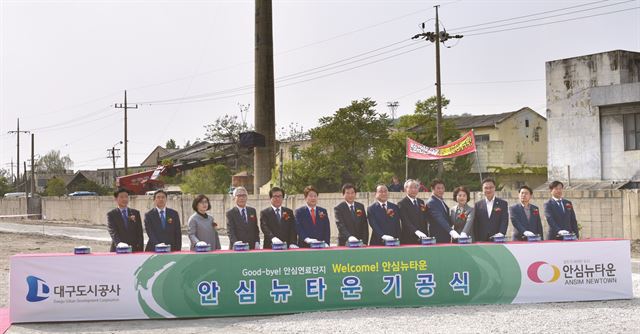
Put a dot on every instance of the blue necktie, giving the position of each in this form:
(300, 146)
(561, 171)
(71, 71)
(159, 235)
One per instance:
(278, 214)
(163, 219)
(244, 216)
(125, 218)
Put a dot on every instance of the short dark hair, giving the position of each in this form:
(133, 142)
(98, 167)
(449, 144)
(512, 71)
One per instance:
(555, 184)
(436, 182)
(120, 190)
(348, 186)
(198, 199)
(275, 190)
(309, 189)
(459, 189)
(160, 191)
(487, 180)
(526, 187)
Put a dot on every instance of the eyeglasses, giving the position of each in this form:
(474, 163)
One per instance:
(277, 196)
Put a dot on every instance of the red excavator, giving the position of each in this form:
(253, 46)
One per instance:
(142, 182)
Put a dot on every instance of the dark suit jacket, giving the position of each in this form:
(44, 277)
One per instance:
(283, 229)
(413, 218)
(350, 224)
(131, 235)
(321, 231)
(485, 227)
(521, 223)
(440, 224)
(171, 235)
(382, 222)
(559, 219)
(238, 230)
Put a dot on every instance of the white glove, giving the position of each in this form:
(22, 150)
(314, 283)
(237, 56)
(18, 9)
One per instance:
(162, 244)
(498, 235)
(201, 243)
(293, 246)
(420, 234)
(463, 235)
(239, 242)
(326, 245)
(529, 234)
(122, 245)
(275, 240)
(454, 234)
(353, 239)
(563, 232)
(387, 238)
(310, 240)
(258, 245)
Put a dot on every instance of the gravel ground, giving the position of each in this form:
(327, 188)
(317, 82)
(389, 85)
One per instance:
(621, 316)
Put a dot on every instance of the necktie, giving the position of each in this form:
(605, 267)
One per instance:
(353, 212)
(384, 207)
(313, 215)
(244, 216)
(278, 214)
(446, 208)
(125, 218)
(415, 203)
(560, 205)
(163, 219)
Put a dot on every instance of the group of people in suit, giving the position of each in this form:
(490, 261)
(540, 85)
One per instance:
(410, 220)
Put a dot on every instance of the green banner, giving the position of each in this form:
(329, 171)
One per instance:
(272, 282)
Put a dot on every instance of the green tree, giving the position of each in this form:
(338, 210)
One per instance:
(342, 148)
(55, 187)
(171, 144)
(5, 183)
(226, 130)
(53, 162)
(212, 179)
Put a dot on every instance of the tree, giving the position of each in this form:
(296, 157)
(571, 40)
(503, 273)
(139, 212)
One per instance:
(226, 130)
(5, 183)
(292, 132)
(55, 187)
(53, 162)
(212, 179)
(342, 149)
(171, 144)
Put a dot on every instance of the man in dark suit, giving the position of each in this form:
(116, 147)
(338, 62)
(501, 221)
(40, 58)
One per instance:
(162, 224)
(414, 215)
(277, 222)
(440, 225)
(242, 222)
(559, 213)
(384, 218)
(491, 213)
(312, 221)
(525, 217)
(124, 223)
(351, 218)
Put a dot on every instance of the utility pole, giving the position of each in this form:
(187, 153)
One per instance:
(33, 166)
(437, 37)
(18, 132)
(125, 106)
(112, 155)
(24, 178)
(265, 117)
(393, 106)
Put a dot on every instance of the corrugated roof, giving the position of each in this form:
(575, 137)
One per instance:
(480, 121)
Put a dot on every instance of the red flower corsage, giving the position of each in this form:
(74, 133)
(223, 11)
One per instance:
(462, 216)
(359, 213)
(391, 213)
(568, 206)
(285, 215)
(423, 208)
(536, 212)
(132, 218)
(321, 215)
(497, 209)
(252, 218)
(170, 220)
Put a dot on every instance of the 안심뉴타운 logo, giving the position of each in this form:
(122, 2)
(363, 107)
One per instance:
(534, 270)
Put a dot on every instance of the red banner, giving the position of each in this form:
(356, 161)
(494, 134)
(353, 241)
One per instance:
(465, 145)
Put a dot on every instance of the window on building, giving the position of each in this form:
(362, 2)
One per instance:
(631, 131)
(526, 123)
(536, 134)
(480, 138)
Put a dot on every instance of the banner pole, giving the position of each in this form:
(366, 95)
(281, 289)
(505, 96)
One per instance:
(477, 159)
(406, 167)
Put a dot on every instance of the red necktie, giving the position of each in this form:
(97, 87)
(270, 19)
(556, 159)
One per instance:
(313, 215)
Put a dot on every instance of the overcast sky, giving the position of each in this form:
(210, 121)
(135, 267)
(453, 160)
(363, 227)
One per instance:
(64, 64)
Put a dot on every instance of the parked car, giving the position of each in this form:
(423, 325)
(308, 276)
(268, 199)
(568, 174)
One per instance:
(83, 193)
(16, 194)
